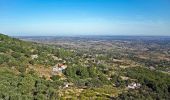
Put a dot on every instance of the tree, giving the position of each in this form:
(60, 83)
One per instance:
(3, 58)
(26, 85)
(92, 72)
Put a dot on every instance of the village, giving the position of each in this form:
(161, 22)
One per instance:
(58, 69)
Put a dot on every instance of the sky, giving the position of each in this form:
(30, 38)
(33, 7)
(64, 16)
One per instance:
(84, 17)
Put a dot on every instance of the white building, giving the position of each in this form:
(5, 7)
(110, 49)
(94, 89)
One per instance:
(34, 56)
(134, 85)
(58, 68)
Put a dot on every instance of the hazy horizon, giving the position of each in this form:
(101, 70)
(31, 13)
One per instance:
(87, 35)
(85, 17)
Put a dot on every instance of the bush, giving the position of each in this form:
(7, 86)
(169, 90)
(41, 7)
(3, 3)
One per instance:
(3, 59)
(16, 55)
(3, 49)
(55, 77)
(77, 72)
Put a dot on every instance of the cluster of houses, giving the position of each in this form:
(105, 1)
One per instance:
(58, 68)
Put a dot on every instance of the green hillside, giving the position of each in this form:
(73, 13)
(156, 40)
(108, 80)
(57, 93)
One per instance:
(16, 81)
(26, 74)
(16, 63)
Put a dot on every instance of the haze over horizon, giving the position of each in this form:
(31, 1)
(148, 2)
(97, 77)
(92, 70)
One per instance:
(85, 17)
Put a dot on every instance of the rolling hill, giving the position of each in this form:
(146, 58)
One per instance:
(27, 73)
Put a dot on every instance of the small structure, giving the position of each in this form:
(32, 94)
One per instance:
(57, 69)
(34, 56)
(66, 85)
(62, 66)
(109, 78)
(134, 85)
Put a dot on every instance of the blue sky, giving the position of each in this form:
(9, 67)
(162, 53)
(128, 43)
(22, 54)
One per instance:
(85, 17)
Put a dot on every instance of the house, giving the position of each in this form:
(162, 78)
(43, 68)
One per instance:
(57, 69)
(134, 85)
(62, 66)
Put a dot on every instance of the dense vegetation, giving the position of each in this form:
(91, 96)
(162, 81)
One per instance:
(91, 75)
(25, 86)
(155, 85)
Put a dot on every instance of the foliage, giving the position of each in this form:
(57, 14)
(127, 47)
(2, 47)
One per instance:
(156, 82)
(24, 87)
